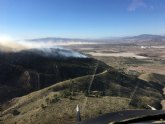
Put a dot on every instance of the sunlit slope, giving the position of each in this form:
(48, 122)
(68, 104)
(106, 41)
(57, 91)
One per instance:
(104, 92)
(153, 77)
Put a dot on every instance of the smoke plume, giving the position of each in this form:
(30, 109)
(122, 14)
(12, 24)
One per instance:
(50, 49)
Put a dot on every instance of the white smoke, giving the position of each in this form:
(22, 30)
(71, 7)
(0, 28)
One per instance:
(59, 52)
(48, 48)
(52, 43)
(8, 44)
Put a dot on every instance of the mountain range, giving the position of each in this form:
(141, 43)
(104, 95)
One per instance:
(140, 39)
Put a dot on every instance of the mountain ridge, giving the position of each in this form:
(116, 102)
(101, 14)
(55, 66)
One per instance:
(146, 38)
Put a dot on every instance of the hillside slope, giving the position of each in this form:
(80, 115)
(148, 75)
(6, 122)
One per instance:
(104, 92)
(153, 77)
(30, 70)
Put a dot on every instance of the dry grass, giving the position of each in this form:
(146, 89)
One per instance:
(63, 111)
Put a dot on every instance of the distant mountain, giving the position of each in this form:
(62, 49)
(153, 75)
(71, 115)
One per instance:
(145, 39)
(62, 40)
(148, 36)
(140, 39)
(55, 39)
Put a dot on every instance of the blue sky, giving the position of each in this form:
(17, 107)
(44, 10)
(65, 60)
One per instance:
(81, 18)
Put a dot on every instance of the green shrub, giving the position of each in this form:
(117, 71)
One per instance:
(47, 100)
(55, 99)
(99, 112)
(102, 93)
(65, 93)
(86, 93)
(71, 98)
(43, 106)
(15, 112)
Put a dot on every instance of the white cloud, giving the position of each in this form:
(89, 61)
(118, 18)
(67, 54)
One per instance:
(135, 4)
